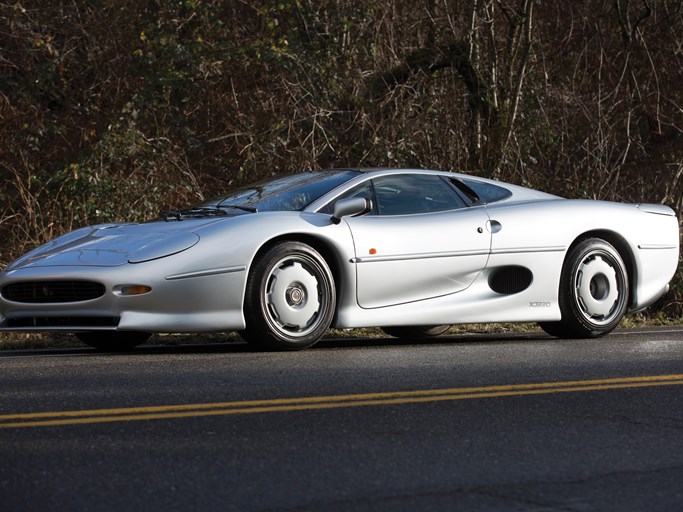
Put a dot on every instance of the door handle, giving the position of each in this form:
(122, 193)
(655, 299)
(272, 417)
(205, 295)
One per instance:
(493, 226)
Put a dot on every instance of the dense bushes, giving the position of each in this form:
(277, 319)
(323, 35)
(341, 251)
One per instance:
(111, 110)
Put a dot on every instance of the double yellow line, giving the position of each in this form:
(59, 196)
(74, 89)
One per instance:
(46, 419)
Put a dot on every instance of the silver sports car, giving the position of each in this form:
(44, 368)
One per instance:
(411, 251)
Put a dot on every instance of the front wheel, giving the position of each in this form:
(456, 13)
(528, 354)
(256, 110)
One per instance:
(593, 291)
(290, 298)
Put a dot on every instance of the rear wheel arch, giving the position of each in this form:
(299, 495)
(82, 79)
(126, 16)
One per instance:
(594, 291)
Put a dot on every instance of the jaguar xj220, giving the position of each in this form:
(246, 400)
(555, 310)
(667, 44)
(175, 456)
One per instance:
(410, 251)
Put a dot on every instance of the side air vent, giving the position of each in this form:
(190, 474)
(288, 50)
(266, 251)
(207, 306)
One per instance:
(509, 280)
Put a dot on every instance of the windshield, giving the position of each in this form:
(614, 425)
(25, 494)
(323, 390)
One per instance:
(289, 193)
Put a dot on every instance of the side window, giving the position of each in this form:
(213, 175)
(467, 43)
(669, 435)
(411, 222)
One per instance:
(487, 192)
(403, 194)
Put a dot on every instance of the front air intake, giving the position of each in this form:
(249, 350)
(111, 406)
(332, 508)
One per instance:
(51, 292)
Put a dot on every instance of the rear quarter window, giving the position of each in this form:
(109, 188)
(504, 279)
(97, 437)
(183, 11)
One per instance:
(487, 192)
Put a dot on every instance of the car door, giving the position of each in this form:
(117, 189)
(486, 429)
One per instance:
(423, 241)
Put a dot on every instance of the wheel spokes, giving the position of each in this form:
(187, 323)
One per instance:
(292, 296)
(597, 288)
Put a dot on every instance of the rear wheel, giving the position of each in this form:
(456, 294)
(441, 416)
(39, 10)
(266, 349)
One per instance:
(593, 291)
(113, 341)
(290, 298)
(416, 331)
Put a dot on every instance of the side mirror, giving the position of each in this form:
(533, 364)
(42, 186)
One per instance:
(350, 208)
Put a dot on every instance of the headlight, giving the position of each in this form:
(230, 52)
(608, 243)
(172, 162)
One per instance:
(168, 247)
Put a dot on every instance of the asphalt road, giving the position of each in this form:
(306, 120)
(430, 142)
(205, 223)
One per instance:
(475, 422)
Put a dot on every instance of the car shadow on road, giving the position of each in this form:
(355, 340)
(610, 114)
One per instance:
(236, 345)
(448, 339)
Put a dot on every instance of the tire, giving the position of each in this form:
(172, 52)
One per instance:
(290, 298)
(594, 291)
(416, 331)
(113, 341)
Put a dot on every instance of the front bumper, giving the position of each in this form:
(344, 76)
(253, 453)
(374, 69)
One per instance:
(198, 302)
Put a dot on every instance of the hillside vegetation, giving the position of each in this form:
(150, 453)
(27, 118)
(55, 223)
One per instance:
(114, 109)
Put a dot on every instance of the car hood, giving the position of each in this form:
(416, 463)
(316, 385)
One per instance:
(110, 245)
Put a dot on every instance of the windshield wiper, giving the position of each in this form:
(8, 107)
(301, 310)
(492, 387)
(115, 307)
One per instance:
(249, 209)
(170, 215)
(203, 211)
(192, 212)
